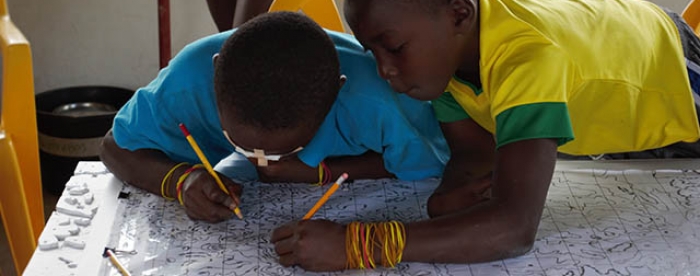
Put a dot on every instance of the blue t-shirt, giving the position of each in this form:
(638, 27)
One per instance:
(367, 115)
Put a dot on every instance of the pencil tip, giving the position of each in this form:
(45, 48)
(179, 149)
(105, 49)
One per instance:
(237, 211)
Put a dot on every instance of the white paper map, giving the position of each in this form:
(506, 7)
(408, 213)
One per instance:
(596, 222)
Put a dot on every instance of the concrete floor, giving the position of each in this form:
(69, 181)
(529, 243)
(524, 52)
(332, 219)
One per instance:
(7, 267)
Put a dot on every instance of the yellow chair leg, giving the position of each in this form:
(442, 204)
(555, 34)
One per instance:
(14, 208)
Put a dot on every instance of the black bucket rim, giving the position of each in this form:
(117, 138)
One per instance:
(123, 95)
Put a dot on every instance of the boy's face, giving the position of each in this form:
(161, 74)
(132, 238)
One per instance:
(417, 50)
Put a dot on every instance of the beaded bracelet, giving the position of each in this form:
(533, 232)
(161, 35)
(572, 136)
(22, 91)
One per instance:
(181, 181)
(166, 180)
(320, 175)
(361, 239)
(328, 176)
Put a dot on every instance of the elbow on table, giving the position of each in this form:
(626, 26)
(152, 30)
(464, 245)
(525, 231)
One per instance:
(520, 241)
(518, 248)
(105, 146)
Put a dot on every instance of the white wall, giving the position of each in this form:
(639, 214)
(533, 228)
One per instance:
(102, 42)
(113, 42)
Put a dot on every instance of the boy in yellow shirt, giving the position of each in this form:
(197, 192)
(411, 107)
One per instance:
(513, 82)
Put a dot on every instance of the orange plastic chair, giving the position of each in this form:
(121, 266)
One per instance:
(21, 202)
(324, 12)
(691, 14)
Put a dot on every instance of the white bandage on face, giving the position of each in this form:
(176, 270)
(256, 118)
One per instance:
(259, 154)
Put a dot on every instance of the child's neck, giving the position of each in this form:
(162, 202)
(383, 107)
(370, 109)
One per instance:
(468, 69)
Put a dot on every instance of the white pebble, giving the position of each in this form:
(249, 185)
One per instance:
(74, 230)
(78, 191)
(82, 221)
(89, 198)
(71, 200)
(64, 221)
(74, 242)
(61, 234)
(74, 212)
(48, 243)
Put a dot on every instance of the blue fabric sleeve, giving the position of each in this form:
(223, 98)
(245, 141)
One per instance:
(181, 93)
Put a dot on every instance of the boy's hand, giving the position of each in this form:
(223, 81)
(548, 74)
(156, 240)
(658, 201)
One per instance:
(314, 245)
(448, 199)
(203, 198)
(289, 169)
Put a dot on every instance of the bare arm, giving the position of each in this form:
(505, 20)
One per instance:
(142, 168)
(504, 226)
(146, 168)
(366, 166)
(501, 227)
(467, 175)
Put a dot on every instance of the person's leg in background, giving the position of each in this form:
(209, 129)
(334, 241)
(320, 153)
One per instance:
(247, 9)
(228, 14)
(222, 11)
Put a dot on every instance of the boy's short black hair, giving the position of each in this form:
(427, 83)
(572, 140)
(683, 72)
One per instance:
(278, 71)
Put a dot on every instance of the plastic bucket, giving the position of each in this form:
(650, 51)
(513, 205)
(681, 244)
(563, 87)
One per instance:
(71, 124)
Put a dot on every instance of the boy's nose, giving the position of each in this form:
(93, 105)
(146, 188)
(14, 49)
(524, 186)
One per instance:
(388, 72)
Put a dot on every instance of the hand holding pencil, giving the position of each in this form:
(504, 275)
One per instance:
(312, 244)
(235, 201)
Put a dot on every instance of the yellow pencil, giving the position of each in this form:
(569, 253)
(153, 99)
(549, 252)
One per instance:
(325, 196)
(116, 263)
(210, 169)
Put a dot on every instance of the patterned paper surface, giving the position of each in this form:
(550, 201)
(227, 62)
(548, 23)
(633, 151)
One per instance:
(596, 222)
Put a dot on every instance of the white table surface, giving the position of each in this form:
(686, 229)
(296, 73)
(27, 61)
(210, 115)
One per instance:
(586, 187)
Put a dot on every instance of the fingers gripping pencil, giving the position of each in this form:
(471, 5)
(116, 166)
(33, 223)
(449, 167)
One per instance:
(210, 169)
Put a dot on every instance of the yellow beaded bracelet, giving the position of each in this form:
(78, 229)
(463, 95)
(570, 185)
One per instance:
(166, 178)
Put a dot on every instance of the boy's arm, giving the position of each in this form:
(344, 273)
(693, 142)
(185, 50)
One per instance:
(145, 168)
(467, 175)
(369, 165)
(504, 226)
(472, 152)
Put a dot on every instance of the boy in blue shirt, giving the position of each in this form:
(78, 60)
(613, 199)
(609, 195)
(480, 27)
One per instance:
(281, 89)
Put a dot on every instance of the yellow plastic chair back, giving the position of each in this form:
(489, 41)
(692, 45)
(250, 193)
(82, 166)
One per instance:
(21, 203)
(324, 12)
(691, 14)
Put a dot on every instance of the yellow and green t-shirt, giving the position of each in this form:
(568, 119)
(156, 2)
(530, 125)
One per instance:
(598, 76)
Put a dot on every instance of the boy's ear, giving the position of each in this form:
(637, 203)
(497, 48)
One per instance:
(464, 13)
(214, 58)
(342, 80)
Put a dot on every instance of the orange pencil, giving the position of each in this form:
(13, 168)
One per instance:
(325, 196)
(210, 169)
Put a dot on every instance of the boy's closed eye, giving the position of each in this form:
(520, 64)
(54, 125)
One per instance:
(396, 49)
